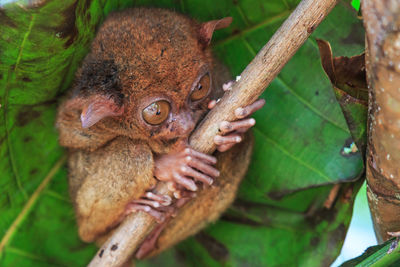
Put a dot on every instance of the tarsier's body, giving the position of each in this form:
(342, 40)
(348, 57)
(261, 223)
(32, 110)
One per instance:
(135, 101)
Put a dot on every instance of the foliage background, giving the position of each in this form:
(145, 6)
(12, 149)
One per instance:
(301, 138)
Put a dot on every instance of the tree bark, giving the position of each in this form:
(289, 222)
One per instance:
(382, 24)
(254, 79)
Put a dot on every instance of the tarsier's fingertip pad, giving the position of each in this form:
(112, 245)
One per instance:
(225, 125)
(218, 139)
(240, 112)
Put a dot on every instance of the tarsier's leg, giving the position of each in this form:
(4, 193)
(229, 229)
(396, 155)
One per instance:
(104, 181)
(210, 202)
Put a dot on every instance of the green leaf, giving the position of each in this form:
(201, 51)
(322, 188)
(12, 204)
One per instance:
(386, 254)
(299, 138)
(40, 49)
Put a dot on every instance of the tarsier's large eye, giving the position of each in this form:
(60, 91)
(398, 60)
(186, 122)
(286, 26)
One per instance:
(201, 89)
(156, 112)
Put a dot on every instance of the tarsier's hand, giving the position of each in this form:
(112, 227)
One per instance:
(181, 170)
(232, 132)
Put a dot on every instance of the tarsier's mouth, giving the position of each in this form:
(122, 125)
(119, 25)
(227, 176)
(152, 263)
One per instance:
(171, 142)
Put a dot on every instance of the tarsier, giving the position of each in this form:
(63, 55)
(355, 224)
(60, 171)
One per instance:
(149, 78)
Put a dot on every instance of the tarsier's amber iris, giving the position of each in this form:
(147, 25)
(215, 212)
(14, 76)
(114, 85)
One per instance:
(156, 112)
(201, 89)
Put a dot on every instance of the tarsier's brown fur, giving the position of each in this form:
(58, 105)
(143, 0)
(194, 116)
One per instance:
(139, 53)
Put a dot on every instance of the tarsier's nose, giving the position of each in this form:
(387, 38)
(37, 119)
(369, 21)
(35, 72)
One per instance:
(184, 123)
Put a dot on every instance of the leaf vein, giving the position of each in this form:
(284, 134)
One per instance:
(6, 94)
(29, 204)
(290, 155)
(312, 108)
(298, 97)
(268, 21)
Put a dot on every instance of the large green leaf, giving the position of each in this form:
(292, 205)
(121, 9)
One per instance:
(299, 136)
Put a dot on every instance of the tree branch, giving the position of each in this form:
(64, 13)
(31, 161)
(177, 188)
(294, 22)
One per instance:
(254, 79)
(383, 75)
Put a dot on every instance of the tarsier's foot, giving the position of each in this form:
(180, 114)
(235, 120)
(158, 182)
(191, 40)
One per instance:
(181, 170)
(149, 244)
(155, 205)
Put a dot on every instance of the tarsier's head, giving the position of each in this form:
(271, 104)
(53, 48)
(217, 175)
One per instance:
(149, 74)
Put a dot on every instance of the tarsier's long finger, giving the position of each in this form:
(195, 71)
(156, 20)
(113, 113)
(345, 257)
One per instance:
(132, 207)
(187, 171)
(193, 153)
(243, 112)
(228, 86)
(394, 234)
(151, 203)
(204, 168)
(187, 183)
(168, 211)
(162, 199)
(240, 125)
(178, 189)
(227, 139)
(212, 104)
(172, 186)
(184, 194)
(223, 148)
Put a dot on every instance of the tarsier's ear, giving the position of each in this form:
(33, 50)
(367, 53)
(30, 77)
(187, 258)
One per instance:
(207, 29)
(99, 107)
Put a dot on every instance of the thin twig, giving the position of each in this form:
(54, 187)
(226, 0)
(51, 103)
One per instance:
(254, 79)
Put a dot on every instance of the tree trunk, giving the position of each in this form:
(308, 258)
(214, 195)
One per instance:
(382, 24)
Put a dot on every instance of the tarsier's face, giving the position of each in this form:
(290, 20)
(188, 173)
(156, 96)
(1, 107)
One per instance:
(168, 120)
(161, 72)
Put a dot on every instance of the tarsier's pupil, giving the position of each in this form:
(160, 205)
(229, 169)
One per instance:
(156, 112)
(202, 88)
